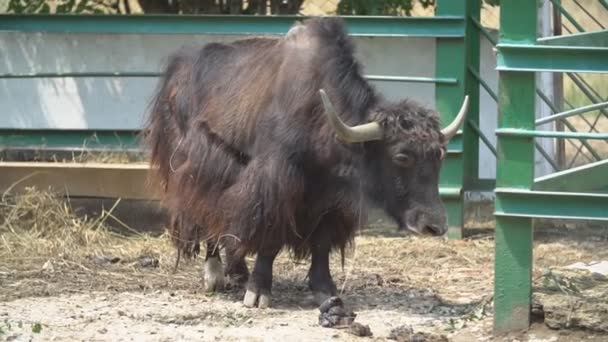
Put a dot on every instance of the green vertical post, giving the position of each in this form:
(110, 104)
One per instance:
(450, 62)
(472, 53)
(514, 169)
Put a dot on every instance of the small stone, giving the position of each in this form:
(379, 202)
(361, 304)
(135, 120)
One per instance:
(360, 330)
(102, 330)
(105, 259)
(146, 261)
(48, 266)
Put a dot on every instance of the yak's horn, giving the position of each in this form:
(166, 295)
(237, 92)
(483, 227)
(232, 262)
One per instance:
(450, 130)
(360, 133)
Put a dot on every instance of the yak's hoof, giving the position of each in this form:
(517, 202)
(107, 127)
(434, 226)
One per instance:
(321, 297)
(253, 299)
(214, 275)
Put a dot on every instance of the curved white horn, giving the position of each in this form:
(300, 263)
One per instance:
(360, 133)
(450, 130)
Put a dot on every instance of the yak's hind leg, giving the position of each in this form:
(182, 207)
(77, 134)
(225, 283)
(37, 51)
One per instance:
(260, 282)
(236, 268)
(213, 270)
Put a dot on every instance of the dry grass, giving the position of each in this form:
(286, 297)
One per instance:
(47, 249)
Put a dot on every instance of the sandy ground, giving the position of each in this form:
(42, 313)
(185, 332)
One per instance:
(68, 278)
(390, 281)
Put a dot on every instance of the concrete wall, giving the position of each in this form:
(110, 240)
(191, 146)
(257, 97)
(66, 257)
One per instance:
(120, 103)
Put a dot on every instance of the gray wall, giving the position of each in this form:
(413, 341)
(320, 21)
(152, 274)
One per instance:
(120, 103)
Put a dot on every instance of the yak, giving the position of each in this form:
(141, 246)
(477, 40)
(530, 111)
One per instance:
(270, 143)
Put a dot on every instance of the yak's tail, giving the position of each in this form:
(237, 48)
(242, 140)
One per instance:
(165, 128)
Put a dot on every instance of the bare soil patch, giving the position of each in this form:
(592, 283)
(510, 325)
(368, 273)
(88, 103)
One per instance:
(67, 277)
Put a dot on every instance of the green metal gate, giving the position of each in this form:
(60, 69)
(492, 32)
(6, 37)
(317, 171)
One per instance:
(578, 193)
(455, 48)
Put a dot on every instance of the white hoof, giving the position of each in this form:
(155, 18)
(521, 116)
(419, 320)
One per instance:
(213, 275)
(253, 299)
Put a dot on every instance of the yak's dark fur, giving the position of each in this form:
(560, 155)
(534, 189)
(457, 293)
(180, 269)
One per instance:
(242, 147)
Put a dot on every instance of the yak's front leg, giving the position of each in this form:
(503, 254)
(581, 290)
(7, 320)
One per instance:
(213, 269)
(320, 281)
(260, 282)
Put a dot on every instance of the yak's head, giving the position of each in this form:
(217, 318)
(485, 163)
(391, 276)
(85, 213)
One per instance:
(404, 149)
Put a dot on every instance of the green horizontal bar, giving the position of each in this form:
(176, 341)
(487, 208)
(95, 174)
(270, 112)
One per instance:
(571, 112)
(82, 74)
(548, 204)
(596, 38)
(445, 27)
(590, 177)
(450, 192)
(412, 79)
(550, 134)
(158, 74)
(68, 138)
(61, 138)
(520, 57)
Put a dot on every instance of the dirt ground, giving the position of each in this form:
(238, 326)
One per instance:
(66, 278)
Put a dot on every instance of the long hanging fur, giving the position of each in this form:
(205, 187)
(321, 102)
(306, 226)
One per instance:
(242, 149)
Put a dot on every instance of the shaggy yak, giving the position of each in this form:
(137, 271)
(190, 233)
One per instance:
(269, 143)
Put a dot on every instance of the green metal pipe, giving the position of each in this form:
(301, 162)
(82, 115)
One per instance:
(517, 132)
(484, 139)
(481, 136)
(529, 57)
(566, 123)
(587, 90)
(551, 204)
(567, 15)
(570, 113)
(384, 26)
(546, 155)
(442, 80)
(484, 31)
(591, 125)
(82, 74)
(579, 148)
(58, 138)
(588, 14)
(483, 84)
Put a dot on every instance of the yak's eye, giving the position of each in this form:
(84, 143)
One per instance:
(404, 159)
(405, 123)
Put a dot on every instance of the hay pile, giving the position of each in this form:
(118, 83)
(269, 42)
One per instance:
(46, 248)
(39, 224)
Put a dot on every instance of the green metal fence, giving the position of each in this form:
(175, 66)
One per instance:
(575, 193)
(455, 48)
(578, 193)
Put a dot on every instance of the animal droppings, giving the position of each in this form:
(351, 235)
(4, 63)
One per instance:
(360, 330)
(406, 333)
(333, 314)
